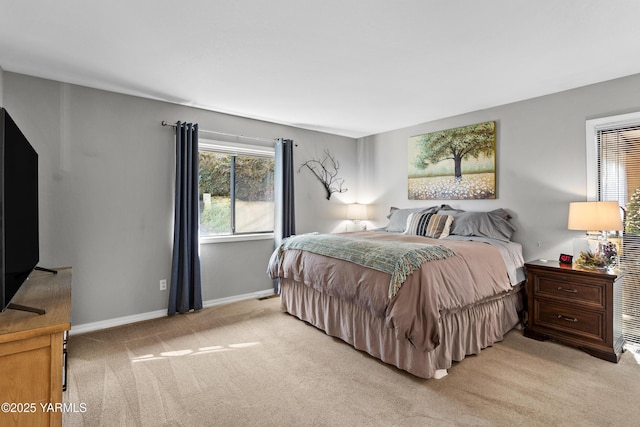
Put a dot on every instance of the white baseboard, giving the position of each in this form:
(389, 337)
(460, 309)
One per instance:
(119, 321)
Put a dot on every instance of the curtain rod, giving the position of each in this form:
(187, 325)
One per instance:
(255, 138)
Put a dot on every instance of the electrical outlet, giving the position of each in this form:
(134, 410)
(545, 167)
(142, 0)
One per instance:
(163, 285)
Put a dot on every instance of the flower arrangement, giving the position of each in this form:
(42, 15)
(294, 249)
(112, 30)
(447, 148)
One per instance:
(605, 257)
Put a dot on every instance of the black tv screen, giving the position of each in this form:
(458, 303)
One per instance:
(18, 209)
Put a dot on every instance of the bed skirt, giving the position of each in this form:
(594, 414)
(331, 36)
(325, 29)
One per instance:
(463, 331)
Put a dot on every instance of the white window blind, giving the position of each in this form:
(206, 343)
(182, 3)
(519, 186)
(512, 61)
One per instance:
(618, 166)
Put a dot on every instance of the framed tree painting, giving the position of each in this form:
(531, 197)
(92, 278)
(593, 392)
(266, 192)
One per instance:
(454, 164)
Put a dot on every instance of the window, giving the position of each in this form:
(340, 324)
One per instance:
(235, 189)
(613, 155)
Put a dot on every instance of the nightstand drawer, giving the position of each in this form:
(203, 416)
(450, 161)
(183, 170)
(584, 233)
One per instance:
(575, 306)
(570, 320)
(556, 287)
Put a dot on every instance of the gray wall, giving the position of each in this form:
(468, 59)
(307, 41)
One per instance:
(106, 183)
(106, 194)
(541, 161)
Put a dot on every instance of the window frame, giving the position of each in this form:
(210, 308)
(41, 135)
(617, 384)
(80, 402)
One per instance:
(593, 126)
(236, 149)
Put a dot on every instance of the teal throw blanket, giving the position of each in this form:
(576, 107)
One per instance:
(399, 259)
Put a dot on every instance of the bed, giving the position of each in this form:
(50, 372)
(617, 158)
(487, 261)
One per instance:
(434, 286)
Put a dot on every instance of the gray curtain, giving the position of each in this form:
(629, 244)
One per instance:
(285, 217)
(185, 292)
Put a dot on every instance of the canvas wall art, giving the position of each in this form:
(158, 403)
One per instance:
(454, 164)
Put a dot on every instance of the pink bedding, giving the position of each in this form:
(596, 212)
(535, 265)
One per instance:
(476, 273)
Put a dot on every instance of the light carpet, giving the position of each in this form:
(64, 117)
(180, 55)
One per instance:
(250, 364)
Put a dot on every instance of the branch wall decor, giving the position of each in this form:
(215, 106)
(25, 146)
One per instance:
(326, 170)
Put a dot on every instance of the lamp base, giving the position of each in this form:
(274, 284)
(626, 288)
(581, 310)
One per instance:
(601, 254)
(584, 244)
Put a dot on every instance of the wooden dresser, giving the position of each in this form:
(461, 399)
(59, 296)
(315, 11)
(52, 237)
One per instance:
(31, 351)
(575, 306)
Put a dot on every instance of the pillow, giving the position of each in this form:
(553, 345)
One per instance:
(493, 224)
(398, 217)
(429, 225)
(449, 208)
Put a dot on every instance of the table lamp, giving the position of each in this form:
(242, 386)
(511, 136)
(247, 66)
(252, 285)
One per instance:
(597, 219)
(357, 212)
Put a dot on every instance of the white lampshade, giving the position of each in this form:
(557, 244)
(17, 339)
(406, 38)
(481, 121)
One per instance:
(595, 216)
(357, 212)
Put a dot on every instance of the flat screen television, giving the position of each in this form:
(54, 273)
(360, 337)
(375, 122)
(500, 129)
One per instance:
(19, 241)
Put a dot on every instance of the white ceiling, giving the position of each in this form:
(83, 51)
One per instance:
(349, 67)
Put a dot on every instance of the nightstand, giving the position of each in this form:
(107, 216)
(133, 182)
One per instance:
(575, 306)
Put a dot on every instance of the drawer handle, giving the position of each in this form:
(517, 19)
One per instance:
(568, 319)
(573, 291)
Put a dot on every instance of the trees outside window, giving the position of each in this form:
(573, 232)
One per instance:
(236, 191)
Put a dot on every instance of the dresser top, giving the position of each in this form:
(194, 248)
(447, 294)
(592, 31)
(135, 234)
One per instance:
(555, 265)
(43, 290)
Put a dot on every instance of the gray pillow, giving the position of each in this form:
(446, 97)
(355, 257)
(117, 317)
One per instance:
(398, 217)
(493, 224)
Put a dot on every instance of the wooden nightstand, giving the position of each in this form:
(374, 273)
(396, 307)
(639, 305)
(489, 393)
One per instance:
(575, 306)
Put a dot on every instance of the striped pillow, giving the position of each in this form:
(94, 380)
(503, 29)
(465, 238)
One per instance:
(429, 225)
